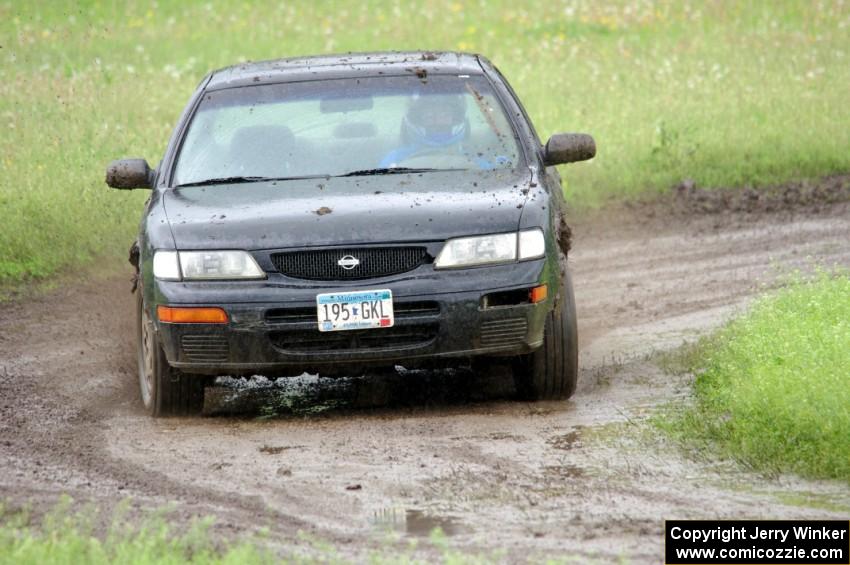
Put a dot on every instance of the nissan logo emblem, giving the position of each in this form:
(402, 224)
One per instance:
(348, 262)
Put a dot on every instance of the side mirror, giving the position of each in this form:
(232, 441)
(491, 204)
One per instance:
(129, 173)
(569, 148)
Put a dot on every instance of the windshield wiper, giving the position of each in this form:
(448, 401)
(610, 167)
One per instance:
(390, 171)
(359, 173)
(237, 180)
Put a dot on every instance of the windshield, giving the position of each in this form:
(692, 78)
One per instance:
(374, 125)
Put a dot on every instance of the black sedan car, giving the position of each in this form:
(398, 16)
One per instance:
(339, 212)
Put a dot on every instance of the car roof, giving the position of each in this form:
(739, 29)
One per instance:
(323, 67)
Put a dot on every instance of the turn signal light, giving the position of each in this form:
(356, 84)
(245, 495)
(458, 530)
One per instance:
(538, 294)
(191, 315)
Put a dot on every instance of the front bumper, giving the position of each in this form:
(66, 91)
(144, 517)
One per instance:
(277, 333)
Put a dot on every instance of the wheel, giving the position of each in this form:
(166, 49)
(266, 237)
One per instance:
(165, 391)
(551, 372)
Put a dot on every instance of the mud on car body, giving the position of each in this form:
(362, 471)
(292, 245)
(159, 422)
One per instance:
(339, 212)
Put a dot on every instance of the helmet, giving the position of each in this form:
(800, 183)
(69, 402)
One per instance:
(435, 120)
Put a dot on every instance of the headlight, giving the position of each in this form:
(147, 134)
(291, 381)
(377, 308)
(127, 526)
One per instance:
(532, 245)
(205, 265)
(166, 266)
(490, 249)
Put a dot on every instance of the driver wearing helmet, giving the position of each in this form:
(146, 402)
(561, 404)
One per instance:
(432, 124)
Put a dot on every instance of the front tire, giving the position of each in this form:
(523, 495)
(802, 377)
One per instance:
(551, 372)
(165, 391)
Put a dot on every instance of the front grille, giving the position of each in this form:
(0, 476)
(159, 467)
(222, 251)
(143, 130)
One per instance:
(503, 332)
(314, 341)
(401, 310)
(205, 348)
(323, 264)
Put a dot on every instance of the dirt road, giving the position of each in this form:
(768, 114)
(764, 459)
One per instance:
(348, 460)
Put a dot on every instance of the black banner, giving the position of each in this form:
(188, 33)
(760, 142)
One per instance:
(742, 542)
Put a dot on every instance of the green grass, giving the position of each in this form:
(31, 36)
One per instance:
(69, 534)
(773, 387)
(72, 537)
(727, 93)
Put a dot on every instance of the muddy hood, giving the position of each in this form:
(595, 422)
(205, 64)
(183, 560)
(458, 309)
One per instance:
(346, 210)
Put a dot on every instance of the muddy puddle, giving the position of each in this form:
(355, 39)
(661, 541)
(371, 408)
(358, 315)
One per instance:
(413, 522)
(307, 394)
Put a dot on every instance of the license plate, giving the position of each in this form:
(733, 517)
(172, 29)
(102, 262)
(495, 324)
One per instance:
(359, 310)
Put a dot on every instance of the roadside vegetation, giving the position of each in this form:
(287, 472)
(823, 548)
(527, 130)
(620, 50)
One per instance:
(773, 387)
(727, 93)
(65, 535)
(73, 537)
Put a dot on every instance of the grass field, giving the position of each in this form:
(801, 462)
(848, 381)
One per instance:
(724, 92)
(773, 387)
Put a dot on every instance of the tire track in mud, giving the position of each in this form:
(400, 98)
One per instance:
(67, 365)
(349, 458)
